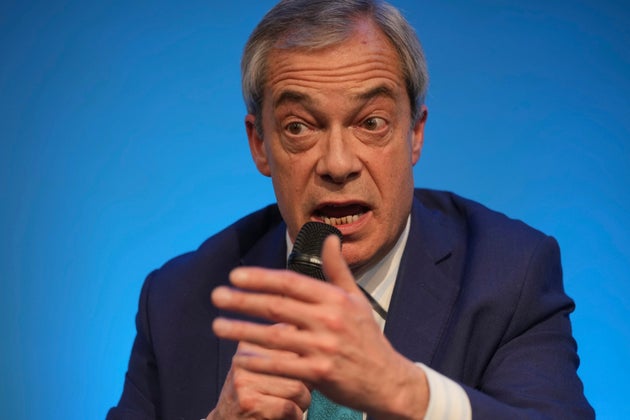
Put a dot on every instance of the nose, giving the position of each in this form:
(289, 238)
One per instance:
(339, 162)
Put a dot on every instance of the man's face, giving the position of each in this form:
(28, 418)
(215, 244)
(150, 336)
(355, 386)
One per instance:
(339, 143)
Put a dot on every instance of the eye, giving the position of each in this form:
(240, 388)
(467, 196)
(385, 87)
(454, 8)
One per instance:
(374, 124)
(295, 128)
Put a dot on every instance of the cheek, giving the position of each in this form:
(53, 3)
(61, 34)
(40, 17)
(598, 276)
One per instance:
(394, 179)
(392, 166)
(289, 180)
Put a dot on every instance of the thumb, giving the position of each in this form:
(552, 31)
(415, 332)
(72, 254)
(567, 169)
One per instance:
(335, 268)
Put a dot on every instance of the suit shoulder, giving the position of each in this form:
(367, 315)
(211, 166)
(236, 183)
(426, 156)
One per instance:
(217, 254)
(477, 220)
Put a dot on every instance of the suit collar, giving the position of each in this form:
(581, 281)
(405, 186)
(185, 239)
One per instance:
(269, 251)
(426, 287)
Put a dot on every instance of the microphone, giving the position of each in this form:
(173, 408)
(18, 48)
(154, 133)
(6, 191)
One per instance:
(306, 256)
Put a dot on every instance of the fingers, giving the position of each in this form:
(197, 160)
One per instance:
(254, 350)
(285, 343)
(281, 309)
(307, 369)
(282, 296)
(252, 395)
(254, 388)
(335, 268)
(285, 297)
(323, 341)
(272, 307)
(279, 282)
(248, 394)
(298, 286)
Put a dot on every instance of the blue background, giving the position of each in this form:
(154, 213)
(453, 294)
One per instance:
(123, 144)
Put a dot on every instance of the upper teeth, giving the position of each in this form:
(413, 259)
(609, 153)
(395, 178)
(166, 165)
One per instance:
(341, 220)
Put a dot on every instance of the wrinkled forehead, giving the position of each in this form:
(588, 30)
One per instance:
(363, 36)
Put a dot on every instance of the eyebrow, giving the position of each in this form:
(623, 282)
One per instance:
(297, 97)
(381, 90)
(292, 96)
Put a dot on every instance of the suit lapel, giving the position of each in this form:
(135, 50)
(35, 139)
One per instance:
(426, 287)
(270, 251)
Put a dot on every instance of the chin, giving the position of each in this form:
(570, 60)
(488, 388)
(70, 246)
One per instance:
(356, 262)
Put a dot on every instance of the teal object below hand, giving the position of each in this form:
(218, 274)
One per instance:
(322, 408)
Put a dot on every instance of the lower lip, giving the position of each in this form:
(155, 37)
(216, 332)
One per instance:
(350, 228)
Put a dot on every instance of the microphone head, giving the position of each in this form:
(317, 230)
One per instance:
(306, 256)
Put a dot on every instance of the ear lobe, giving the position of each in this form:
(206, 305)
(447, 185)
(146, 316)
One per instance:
(417, 140)
(257, 146)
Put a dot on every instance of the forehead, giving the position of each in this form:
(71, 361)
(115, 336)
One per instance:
(365, 59)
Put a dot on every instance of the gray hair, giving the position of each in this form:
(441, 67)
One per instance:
(315, 24)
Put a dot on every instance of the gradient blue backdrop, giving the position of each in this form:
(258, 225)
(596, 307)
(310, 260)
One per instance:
(122, 145)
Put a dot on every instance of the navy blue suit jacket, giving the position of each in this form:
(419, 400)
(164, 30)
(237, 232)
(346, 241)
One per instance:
(479, 298)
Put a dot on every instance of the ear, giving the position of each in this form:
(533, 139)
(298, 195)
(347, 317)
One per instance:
(417, 140)
(257, 146)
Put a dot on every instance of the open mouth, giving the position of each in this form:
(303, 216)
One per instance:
(340, 215)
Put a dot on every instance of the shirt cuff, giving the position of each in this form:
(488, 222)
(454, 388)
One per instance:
(447, 399)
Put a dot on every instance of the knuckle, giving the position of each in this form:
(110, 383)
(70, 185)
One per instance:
(330, 345)
(322, 370)
(333, 321)
(295, 390)
(247, 402)
(274, 338)
(287, 410)
(286, 283)
(340, 298)
(239, 379)
(276, 310)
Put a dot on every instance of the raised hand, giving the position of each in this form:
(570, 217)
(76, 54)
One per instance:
(339, 348)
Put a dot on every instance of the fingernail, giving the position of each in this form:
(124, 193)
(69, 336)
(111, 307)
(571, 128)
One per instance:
(220, 326)
(221, 296)
(238, 275)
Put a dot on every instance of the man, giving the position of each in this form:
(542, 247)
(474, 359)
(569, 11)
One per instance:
(477, 320)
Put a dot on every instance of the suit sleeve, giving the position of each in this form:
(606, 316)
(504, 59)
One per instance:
(141, 395)
(533, 373)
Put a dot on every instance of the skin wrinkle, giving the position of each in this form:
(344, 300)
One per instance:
(332, 156)
(290, 96)
(290, 102)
